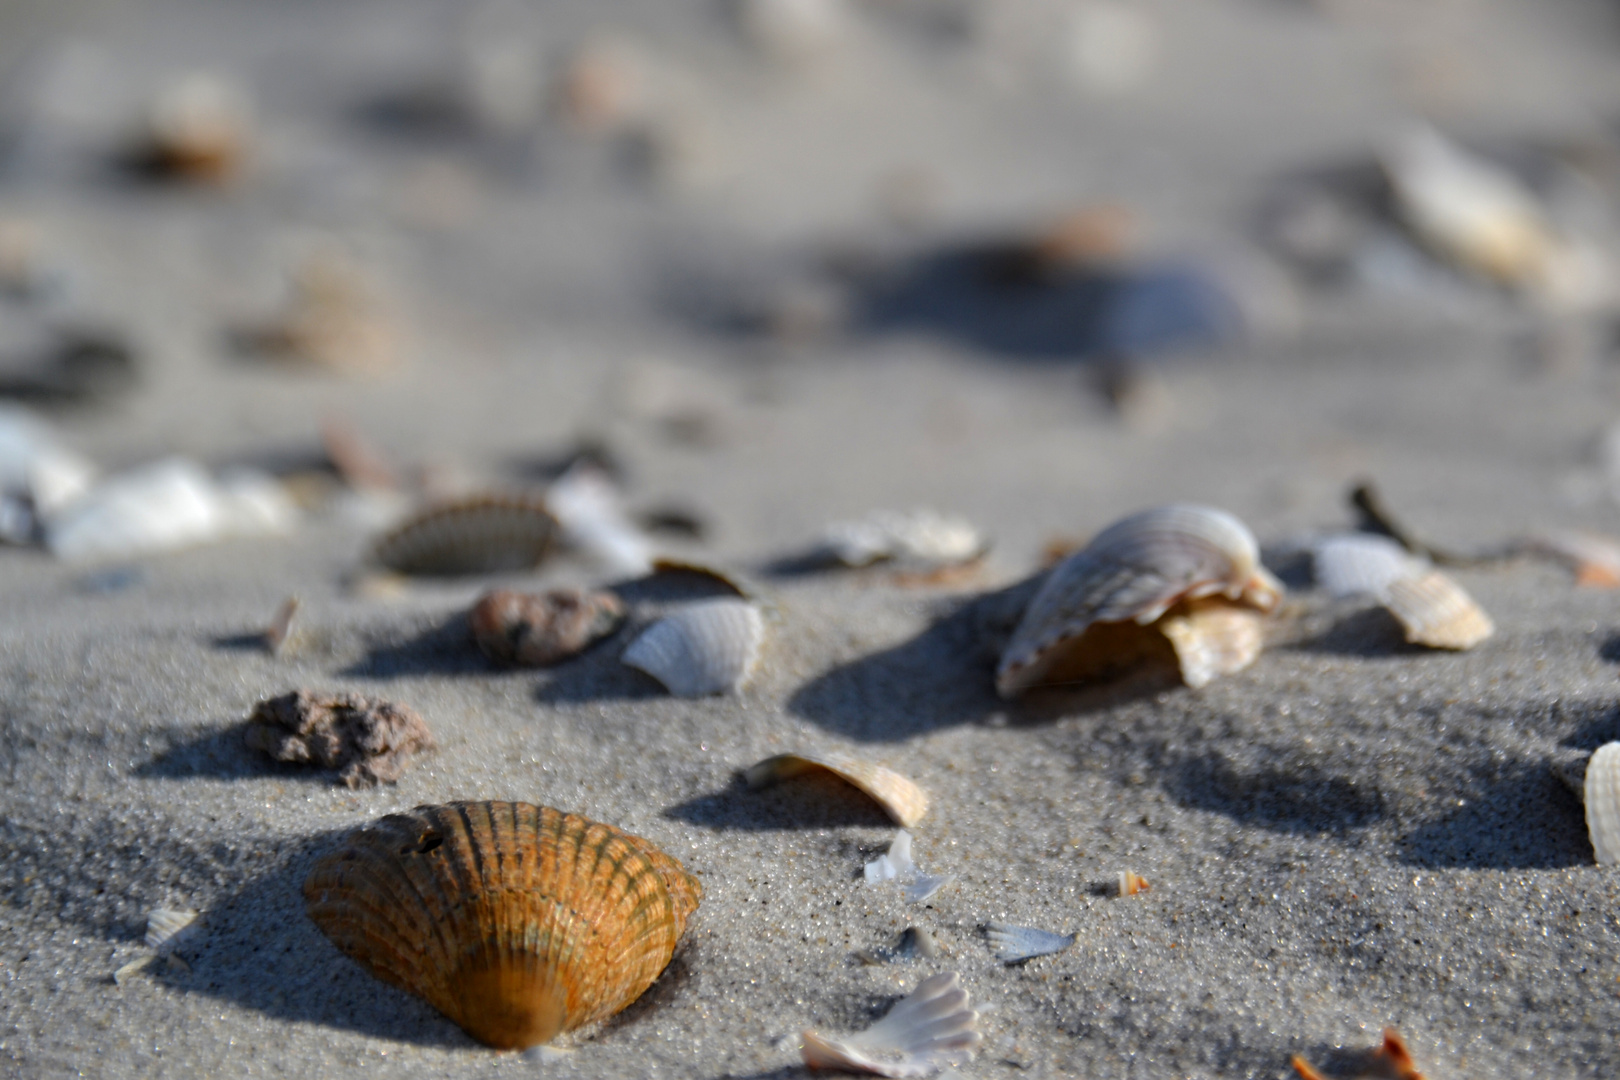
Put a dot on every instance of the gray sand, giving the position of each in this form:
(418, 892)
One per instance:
(1349, 835)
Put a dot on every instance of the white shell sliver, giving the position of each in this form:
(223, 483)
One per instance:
(917, 537)
(922, 1034)
(896, 866)
(587, 506)
(1015, 944)
(705, 648)
(902, 800)
(1361, 564)
(1603, 803)
(164, 925)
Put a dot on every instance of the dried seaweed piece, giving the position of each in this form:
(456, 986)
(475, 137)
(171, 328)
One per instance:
(539, 629)
(368, 740)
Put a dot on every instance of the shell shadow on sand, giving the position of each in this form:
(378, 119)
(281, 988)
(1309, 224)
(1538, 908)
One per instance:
(219, 754)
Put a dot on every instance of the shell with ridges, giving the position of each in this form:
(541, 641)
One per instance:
(1015, 944)
(1213, 636)
(710, 647)
(1602, 798)
(515, 921)
(485, 534)
(902, 800)
(926, 1030)
(1133, 572)
(1435, 611)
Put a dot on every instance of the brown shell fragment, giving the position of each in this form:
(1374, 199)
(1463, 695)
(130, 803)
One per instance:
(1435, 611)
(902, 800)
(368, 740)
(518, 922)
(485, 534)
(539, 629)
(1391, 1061)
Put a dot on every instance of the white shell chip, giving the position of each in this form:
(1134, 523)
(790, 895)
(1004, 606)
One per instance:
(1015, 944)
(1361, 564)
(918, 537)
(931, 1028)
(705, 648)
(1602, 799)
(164, 925)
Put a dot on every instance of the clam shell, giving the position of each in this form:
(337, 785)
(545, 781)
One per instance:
(1015, 944)
(1213, 637)
(516, 921)
(903, 801)
(1133, 573)
(537, 629)
(1602, 798)
(1361, 564)
(483, 535)
(709, 647)
(166, 925)
(923, 1033)
(1436, 612)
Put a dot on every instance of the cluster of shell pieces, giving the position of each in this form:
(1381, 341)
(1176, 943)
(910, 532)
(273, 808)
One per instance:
(1432, 609)
(518, 922)
(368, 740)
(1181, 583)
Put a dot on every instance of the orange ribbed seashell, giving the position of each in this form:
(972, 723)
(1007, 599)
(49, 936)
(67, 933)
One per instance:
(516, 921)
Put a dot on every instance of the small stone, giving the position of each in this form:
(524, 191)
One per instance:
(540, 629)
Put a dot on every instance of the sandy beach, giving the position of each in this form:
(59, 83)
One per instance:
(749, 293)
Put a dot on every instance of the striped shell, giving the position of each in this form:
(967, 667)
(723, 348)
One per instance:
(709, 647)
(1130, 576)
(903, 801)
(925, 1031)
(1602, 798)
(486, 534)
(516, 921)
(1436, 612)
(1361, 564)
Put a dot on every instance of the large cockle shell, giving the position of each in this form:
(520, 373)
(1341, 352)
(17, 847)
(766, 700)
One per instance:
(1186, 574)
(1601, 793)
(518, 922)
(1435, 611)
(923, 1033)
(710, 647)
(486, 534)
(903, 801)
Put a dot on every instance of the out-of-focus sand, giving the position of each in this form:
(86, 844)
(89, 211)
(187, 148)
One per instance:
(1350, 834)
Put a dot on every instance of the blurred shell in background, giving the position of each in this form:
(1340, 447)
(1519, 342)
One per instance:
(198, 129)
(485, 534)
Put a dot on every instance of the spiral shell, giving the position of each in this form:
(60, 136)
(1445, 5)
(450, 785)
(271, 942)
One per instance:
(705, 648)
(486, 534)
(1089, 614)
(516, 921)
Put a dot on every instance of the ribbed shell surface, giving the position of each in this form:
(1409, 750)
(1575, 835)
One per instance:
(1435, 611)
(1135, 570)
(483, 535)
(709, 647)
(434, 900)
(1603, 803)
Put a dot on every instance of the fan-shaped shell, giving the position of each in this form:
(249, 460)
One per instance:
(1015, 944)
(516, 921)
(902, 800)
(1361, 564)
(1435, 611)
(926, 1030)
(486, 534)
(1213, 636)
(705, 648)
(1602, 798)
(1133, 573)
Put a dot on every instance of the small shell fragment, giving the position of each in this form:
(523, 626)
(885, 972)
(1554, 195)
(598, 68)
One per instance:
(1015, 944)
(1361, 564)
(485, 534)
(923, 1033)
(902, 800)
(896, 865)
(197, 129)
(1390, 1061)
(335, 318)
(539, 629)
(279, 628)
(710, 647)
(914, 539)
(1593, 559)
(1435, 611)
(368, 740)
(164, 925)
(1100, 609)
(133, 968)
(590, 512)
(1602, 798)
(1131, 883)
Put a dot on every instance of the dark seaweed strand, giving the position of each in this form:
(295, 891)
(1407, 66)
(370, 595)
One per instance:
(1375, 517)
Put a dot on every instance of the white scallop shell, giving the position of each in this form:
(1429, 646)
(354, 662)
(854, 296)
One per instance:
(902, 800)
(1602, 798)
(918, 537)
(1134, 571)
(1213, 636)
(1015, 944)
(164, 925)
(1435, 611)
(705, 648)
(931, 1028)
(1361, 564)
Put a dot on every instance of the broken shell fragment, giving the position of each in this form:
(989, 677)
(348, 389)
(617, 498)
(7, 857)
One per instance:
(1390, 1061)
(924, 1032)
(1435, 611)
(1015, 944)
(896, 865)
(1105, 607)
(539, 629)
(1593, 559)
(486, 534)
(590, 511)
(913, 539)
(164, 926)
(197, 129)
(902, 800)
(1361, 564)
(368, 740)
(517, 922)
(1131, 883)
(710, 647)
(1601, 793)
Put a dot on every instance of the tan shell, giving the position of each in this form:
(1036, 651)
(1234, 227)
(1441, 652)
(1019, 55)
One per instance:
(710, 647)
(902, 800)
(1436, 612)
(1128, 578)
(537, 629)
(1213, 636)
(482, 535)
(516, 921)
(1601, 793)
